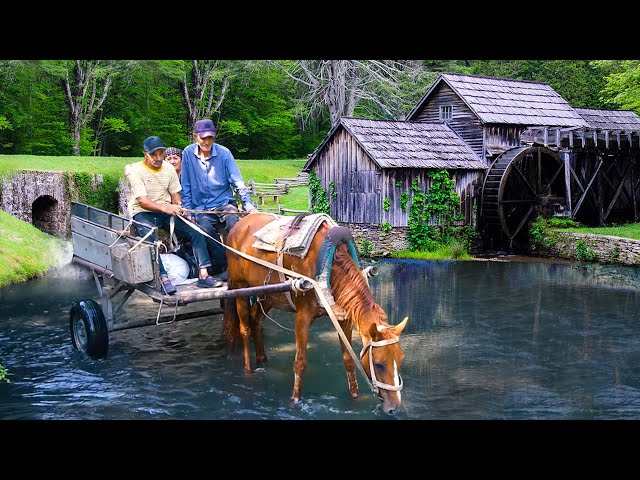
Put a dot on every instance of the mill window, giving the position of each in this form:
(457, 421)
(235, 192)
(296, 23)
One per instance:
(446, 112)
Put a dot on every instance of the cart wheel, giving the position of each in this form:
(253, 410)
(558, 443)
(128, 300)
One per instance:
(89, 332)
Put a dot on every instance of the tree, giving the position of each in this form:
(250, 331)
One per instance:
(204, 85)
(622, 85)
(85, 84)
(339, 85)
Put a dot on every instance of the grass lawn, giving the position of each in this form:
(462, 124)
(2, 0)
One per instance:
(631, 230)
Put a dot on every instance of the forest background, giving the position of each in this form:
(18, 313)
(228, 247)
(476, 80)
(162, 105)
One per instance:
(262, 109)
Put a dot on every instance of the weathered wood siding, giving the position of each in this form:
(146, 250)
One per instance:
(500, 138)
(464, 122)
(355, 177)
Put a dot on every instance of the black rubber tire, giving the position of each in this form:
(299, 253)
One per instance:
(89, 331)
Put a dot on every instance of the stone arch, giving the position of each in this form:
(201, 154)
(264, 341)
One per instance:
(45, 214)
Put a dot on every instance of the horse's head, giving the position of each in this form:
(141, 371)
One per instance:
(381, 357)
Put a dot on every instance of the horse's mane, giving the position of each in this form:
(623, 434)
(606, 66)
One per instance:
(351, 291)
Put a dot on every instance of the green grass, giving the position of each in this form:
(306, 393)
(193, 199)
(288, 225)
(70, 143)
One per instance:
(443, 252)
(25, 251)
(631, 231)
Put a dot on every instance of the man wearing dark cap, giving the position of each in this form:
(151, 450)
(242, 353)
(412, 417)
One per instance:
(209, 177)
(154, 199)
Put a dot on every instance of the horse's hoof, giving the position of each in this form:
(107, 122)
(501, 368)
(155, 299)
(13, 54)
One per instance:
(296, 399)
(354, 394)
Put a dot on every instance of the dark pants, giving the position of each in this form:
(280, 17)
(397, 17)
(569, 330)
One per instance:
(218, 226)
(147, 220)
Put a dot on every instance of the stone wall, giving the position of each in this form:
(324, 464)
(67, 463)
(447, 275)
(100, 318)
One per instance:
(42, 199)
(602, 249)
(43, 195)
(380, 243)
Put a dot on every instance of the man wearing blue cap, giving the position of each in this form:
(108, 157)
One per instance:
(209, 177)
(154, 199)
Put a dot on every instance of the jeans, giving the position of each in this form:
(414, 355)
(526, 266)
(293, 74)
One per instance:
(218, 226)
(147, 220)
(210, 223)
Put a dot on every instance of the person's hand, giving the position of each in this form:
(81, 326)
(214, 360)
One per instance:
(172, 209)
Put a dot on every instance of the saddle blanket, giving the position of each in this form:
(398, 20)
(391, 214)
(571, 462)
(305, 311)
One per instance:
(297, 240)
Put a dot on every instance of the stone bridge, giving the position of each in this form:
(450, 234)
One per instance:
(42, 199)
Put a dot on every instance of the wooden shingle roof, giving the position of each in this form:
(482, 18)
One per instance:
(610, 119)
(399, 144)
(506, 101)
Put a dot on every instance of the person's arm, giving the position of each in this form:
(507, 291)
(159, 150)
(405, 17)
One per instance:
(234, 177)
(185, 180)
(152, 206)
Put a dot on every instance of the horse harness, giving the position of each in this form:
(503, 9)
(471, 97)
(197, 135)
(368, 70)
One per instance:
(374, 381)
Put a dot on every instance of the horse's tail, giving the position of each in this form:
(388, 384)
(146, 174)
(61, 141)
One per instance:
(231, 323)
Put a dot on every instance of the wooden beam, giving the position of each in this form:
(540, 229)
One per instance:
(617, 194)
(584, 194)
(567, 179)
(606, 139)
(571, 139)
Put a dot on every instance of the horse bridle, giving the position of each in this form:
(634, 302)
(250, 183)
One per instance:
(375, 383)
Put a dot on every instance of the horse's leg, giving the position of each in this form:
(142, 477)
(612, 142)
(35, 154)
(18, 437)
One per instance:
(347, 359)
(244, 314)
(257, 316)
(303, 321)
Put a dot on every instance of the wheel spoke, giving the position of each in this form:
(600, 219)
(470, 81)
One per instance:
(522, 223)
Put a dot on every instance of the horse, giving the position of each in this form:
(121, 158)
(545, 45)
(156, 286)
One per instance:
(355, 308)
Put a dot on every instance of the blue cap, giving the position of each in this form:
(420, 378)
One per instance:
(205, 128)
(151, 144)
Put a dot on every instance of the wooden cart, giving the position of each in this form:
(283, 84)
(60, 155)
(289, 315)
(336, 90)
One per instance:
(121, 264)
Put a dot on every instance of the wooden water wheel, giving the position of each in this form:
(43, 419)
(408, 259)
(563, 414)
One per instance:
(521, 184)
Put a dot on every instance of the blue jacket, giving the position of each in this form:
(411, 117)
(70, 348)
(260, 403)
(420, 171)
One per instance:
(207, 187)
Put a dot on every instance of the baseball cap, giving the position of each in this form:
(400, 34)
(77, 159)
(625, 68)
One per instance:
(205, 128)
(151, 144)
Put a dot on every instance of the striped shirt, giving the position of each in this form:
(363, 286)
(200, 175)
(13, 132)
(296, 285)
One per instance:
(156, 185)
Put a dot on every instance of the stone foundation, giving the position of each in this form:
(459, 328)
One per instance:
(603, 249)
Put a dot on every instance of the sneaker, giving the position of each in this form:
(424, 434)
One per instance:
(168, 287)
(209, 282)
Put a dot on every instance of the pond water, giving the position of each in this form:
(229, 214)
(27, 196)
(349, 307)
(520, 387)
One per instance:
(485, 340)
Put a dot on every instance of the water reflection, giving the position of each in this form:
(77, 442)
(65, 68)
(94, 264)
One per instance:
(485, 340)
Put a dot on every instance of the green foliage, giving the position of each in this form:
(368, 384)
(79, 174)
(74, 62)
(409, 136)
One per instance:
(622, 85)
(385, 227)
(366, 248)
(386, 204)
(585, 253)
(319, 199)
(440, 206)
(3, 374)
(614, 256)
(404, 199)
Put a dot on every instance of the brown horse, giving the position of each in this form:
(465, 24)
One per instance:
(355, 307)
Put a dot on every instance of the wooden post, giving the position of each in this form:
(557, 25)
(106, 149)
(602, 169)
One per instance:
(567, 179)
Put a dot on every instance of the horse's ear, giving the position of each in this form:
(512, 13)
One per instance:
(398, 328)
(374, 332)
